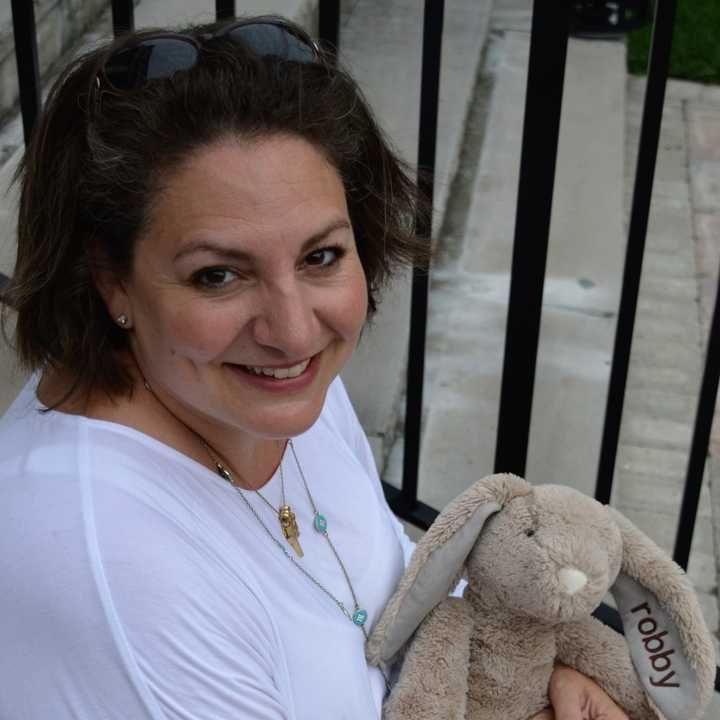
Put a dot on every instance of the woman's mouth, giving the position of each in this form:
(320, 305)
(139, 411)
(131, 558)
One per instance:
(278, 373)
(292, 377)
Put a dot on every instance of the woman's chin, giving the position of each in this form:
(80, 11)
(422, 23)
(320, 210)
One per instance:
(283, 420)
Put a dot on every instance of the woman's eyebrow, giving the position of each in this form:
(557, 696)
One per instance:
(235, 254)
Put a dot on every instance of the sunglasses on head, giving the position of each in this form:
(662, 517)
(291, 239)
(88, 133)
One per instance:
(158, 56)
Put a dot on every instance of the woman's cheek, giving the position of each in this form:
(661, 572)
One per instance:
(206, 330)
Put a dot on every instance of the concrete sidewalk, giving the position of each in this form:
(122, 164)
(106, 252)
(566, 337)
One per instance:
(470, 284)
(677, 296)
(677, 289)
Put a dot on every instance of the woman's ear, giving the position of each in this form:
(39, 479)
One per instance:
(670, 644)
(438, 561)
(111, 289)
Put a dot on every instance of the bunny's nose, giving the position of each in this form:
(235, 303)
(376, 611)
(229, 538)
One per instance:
(572, 580)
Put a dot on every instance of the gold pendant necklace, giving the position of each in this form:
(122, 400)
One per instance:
(286, 517)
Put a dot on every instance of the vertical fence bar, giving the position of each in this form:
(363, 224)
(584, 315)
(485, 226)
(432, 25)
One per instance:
(329, 24)
(429, 98)
(700, 441)
(26, 55)
(123, 16)
(224, 9)
(543, 104)
(642, 195)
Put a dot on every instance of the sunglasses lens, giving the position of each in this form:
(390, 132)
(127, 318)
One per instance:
(152, 59)
(266, 39)
(161, 57)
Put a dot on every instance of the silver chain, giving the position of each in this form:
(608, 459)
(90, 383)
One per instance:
(227, 476)
(325, 532)
(289, 556)
(285, 552)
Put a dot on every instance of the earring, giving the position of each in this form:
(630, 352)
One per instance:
(122, 320)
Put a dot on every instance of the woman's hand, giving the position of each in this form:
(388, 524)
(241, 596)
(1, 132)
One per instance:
(576, 697)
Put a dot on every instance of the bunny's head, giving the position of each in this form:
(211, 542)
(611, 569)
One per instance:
(551, 553)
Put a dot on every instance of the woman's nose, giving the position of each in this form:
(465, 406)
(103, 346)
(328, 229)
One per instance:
(286, 321)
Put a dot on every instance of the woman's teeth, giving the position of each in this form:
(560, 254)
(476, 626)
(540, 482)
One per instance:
(279, 373)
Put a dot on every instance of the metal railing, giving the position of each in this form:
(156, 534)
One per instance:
(548, 45)
(546, 67)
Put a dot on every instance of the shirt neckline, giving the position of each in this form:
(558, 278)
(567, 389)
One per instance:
(145, 439)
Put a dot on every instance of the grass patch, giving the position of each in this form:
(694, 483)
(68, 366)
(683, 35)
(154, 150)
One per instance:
(696, 48)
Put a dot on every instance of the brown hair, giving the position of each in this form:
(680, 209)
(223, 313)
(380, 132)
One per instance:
(91, 169)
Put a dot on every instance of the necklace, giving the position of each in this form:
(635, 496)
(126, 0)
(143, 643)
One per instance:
(286, 517)
(358, 616)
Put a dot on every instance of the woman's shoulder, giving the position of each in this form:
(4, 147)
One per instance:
(104, 564)
(61, 469)
(38, 443)
(91, 500)
(35, 443)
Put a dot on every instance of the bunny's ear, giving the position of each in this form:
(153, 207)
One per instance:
(671, 647)
(438, 561)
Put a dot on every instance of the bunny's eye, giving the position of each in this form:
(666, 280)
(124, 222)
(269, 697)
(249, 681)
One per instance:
(529, 532)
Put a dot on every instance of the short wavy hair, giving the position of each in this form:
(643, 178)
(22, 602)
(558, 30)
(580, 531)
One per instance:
(92, 169)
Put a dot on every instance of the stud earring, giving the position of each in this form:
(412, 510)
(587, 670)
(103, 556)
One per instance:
(122, 320)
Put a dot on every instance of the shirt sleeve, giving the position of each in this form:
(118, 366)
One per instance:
(201, 639)
(64, 655)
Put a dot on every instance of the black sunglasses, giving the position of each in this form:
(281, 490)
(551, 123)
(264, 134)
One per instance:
(160, 55)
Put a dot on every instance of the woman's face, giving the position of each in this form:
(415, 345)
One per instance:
(247, 295)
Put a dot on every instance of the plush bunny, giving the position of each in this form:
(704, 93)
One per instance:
(538, 561)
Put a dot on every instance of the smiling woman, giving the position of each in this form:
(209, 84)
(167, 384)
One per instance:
(193, 525)
(206, 219)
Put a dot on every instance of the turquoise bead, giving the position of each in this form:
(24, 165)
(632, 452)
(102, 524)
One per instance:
(320, 523)
(360, 617)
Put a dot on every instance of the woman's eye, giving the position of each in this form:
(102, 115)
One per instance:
(324, 257)
(213, 277)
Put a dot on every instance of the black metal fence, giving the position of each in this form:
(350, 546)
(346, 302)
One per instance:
(551, 26)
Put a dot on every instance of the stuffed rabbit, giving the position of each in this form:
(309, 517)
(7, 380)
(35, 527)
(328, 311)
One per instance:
(538, 561)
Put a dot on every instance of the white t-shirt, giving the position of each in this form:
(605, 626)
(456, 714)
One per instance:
(135, 584)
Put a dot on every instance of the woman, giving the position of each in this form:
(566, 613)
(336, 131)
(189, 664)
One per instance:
(193, 523)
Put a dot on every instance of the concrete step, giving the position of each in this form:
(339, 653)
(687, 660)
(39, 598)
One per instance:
(381, 43)
(469, 294)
